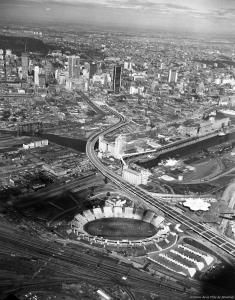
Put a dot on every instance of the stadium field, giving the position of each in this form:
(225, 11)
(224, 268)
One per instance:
(120, 229)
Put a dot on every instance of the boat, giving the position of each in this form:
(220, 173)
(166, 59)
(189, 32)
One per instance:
(229, 112)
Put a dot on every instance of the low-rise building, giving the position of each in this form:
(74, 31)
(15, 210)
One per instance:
(55, 170)
(35, 144)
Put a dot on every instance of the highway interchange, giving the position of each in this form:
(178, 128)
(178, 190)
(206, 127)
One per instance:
(153, 203)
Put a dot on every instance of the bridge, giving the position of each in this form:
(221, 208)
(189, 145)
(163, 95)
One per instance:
(154, 203)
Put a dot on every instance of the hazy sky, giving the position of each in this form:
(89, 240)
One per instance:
(187, 15)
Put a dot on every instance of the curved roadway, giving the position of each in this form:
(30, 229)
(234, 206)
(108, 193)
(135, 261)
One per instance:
(148, 200)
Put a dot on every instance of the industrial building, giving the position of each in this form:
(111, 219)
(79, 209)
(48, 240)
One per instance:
(136, 177)
(203, 128)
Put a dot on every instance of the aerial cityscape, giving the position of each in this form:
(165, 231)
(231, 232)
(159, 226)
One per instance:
(117, 149)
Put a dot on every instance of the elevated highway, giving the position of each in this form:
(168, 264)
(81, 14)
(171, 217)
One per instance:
(154, 203)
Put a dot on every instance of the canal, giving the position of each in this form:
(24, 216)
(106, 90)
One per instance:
(189, 150)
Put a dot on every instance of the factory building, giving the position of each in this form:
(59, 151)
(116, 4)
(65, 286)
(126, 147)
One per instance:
(135, 177)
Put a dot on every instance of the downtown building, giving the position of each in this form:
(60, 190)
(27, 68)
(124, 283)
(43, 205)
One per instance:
(25, 64)
(36, 75)
(172, 76)
(117, 70)
(74, 66)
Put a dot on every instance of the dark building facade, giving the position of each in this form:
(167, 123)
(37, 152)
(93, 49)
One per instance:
(93, 70)
(117, 71)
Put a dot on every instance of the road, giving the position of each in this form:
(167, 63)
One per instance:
(149, 201)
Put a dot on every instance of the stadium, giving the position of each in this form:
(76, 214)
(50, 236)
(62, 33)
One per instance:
(124, 228)
(140, 233)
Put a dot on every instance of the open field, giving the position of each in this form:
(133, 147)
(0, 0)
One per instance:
(203, 169)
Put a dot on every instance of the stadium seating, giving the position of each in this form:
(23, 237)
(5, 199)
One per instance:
(157, 220)
(161, 240)
(148, 216)
(108, 212)
(80, 218)
(128, 212)
(117, 212)
(75, 223)
(138, 214)
(98, 213)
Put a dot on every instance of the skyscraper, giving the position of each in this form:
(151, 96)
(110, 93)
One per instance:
(25, 64)
(36, 75)
(120, 145)
(86, 70)
(74, 66)
(42, 80)
(117, 70)
(87, 66)
(93, 69)
(48, 69)
(173, 76)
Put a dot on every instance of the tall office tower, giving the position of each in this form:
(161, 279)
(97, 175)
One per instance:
(87, 66)
(25, 64)
(86, 70)
(117, 70)
(42, 80)
(74, 66)
(173, 76)
(48, 69)
(36, 75)
(93, 70)
(120, 145)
